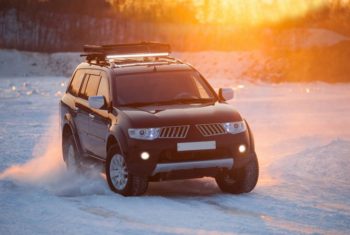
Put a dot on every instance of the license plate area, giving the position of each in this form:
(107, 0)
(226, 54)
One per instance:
(191, 146)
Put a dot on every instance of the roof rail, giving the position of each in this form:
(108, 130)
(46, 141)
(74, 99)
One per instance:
(131, 50)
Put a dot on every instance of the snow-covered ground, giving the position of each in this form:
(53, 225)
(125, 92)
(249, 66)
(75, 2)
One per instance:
(302, 134)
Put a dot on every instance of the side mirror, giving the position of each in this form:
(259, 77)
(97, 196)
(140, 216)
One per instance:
(97, 102)
(226, 94)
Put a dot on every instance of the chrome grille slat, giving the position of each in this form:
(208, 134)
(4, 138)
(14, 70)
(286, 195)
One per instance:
(183, 131)
(205, 131)
(217, 129)
(172, 132)
(211, 129)
(169, 132)
(176, 130)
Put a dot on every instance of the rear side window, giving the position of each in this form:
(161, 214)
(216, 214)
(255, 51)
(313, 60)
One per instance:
(83, 87)
(90, 86)
(76, 82)
(103, 89)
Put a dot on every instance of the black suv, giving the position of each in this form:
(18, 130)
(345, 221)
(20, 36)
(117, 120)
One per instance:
(150, 117)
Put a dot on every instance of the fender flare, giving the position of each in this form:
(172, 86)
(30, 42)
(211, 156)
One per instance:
(251, 137)
(118, 134)
(68, 120)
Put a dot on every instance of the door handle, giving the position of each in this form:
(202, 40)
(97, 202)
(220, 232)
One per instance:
(91, 116)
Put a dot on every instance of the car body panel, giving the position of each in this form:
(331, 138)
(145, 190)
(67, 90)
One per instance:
(93, 128)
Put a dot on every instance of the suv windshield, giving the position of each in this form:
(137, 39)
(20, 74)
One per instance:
(159, 88)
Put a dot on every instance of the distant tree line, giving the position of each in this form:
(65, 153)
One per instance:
(65, 25)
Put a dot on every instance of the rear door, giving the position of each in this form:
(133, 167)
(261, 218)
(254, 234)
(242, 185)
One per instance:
(70, 99)
(88, 88)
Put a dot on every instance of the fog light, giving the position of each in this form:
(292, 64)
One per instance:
(242, 148)
(144, 156)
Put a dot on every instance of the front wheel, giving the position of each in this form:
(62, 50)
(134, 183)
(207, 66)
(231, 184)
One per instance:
(241, 180)
(118, 177)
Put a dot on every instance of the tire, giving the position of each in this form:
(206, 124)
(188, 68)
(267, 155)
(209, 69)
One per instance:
(70, 155)
(242, 180)
(119, 179)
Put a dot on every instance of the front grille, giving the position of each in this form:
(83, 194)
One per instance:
(170, 132)
(211, 129)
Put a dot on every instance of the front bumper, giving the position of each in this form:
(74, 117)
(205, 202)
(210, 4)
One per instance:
(165, 156)
(177, 166)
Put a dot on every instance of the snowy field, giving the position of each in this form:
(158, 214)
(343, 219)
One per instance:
(302, 134)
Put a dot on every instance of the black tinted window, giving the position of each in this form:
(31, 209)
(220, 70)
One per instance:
(76, 82)
(83, 87)
(91, 87)
(161, 87)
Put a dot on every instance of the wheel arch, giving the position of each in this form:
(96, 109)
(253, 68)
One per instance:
(113, 141)
(66, 132)
(68, 128)
(251, 137)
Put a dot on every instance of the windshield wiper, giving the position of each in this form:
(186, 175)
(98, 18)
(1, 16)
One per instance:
(166, 102)
(140, 104)
(194, 100)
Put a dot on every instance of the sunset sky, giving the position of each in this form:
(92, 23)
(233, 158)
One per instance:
(238, 12)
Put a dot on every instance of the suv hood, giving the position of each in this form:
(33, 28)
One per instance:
(179, 114)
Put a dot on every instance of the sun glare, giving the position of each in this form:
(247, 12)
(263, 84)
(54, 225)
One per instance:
(239, 13)
(253, 12)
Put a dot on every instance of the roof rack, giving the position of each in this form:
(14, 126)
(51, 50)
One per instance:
(131, 50)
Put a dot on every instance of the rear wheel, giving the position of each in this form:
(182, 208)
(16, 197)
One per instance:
(70, 154)
(241, 180)
(118, 177)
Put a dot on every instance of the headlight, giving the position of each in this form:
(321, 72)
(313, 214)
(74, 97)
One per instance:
(144, 133)
(234, 127)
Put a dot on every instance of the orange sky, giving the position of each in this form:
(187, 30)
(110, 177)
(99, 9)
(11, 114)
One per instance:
(238, 12)
(254, 12)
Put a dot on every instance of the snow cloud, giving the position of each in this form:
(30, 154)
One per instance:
(46, 169)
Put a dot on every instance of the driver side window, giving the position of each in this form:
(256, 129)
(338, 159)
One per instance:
(201, 90)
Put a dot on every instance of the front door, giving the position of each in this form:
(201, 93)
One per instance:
(100, 122)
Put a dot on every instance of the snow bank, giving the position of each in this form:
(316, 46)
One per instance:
(15, 63)
(309, 37)
(274, 63)
(325, 168)
(215, 65)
